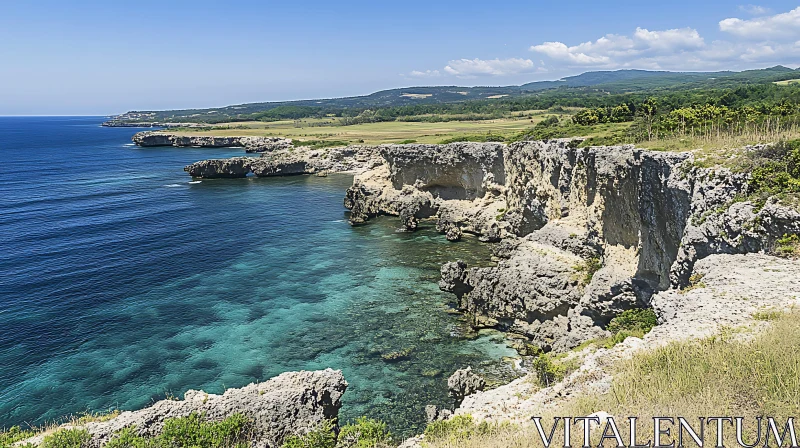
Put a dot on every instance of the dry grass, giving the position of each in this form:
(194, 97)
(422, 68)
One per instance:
(725, 375)
(326, 129)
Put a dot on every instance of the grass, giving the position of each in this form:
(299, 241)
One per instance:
(184, 432)
(787, 82)
(586, 270)
(321, 129)
(363, 433)
(66, 438)
(721, 375)
(788, 246)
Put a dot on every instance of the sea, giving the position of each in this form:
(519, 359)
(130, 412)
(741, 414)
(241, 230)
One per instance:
(123, 282)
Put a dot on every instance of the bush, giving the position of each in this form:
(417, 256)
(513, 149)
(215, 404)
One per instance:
(67, 438)
(13, 435)
(776, 169)
(364, 433)
(588, 268)
(788, 246)
(548, 370)
(480, 138)
(322, 436)
(189, 431)
(636, 322)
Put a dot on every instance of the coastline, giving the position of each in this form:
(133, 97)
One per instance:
(580, 199)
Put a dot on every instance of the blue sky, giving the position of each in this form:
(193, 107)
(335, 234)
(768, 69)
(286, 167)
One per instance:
(93, 57)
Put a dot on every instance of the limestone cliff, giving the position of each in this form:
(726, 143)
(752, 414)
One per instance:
(288, 161)
(586, 232)
(251, 144)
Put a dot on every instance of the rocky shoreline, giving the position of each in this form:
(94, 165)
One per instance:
(583, 233)
(149, 139)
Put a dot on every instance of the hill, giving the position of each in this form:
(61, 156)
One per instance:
(598, 82)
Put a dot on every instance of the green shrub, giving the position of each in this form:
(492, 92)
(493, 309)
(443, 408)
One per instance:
(189, 431)
(788, 246)
(776, 169)
(548, 370)
(480, 138)
(406, 142)
(128, 438)
(194, 431)
(13, 435)
(67, 438)
(636, 322)
(364, 433)
(322, 436)
(587, 269)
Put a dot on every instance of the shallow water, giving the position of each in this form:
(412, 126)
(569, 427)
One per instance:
(122, 282)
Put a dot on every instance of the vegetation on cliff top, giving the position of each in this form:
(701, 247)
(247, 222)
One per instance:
(722, 375)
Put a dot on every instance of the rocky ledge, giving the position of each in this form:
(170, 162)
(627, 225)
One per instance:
(288, 161)
(290, 403)
(251, 144)
(584, 233)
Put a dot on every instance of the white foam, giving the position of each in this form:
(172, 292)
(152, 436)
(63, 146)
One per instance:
(172, 185)
(195, 182)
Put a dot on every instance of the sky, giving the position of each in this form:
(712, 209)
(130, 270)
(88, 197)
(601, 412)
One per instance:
(108, 57)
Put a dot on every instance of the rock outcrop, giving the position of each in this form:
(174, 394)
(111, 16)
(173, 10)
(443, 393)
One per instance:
(290, 403)
(288, 161)
(733, 289)
(251, 144)
(586, 232)
(464, 382)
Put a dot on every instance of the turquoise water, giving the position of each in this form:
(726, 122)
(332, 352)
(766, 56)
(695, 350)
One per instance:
(122, 282)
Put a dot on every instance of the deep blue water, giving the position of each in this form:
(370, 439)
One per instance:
(122, 282)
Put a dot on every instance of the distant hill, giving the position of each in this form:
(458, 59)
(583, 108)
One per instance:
(617, 81)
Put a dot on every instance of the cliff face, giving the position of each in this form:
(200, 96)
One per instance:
(290, 403)
(251, 144)
(286, 162)
(586, 233)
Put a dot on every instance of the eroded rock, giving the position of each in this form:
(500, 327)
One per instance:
(290, 403)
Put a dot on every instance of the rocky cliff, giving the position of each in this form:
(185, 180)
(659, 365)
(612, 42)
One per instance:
(251, 144)
(288, 161)
(290, 403)
(586, 232)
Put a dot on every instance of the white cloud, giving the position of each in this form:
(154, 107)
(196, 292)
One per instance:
(425, 74)
(669, 40)
(755, 10)
(492, 67)
(751, 43)
(779, 26)
(616, 50)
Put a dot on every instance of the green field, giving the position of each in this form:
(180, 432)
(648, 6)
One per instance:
(327, 129)
(788, 82)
